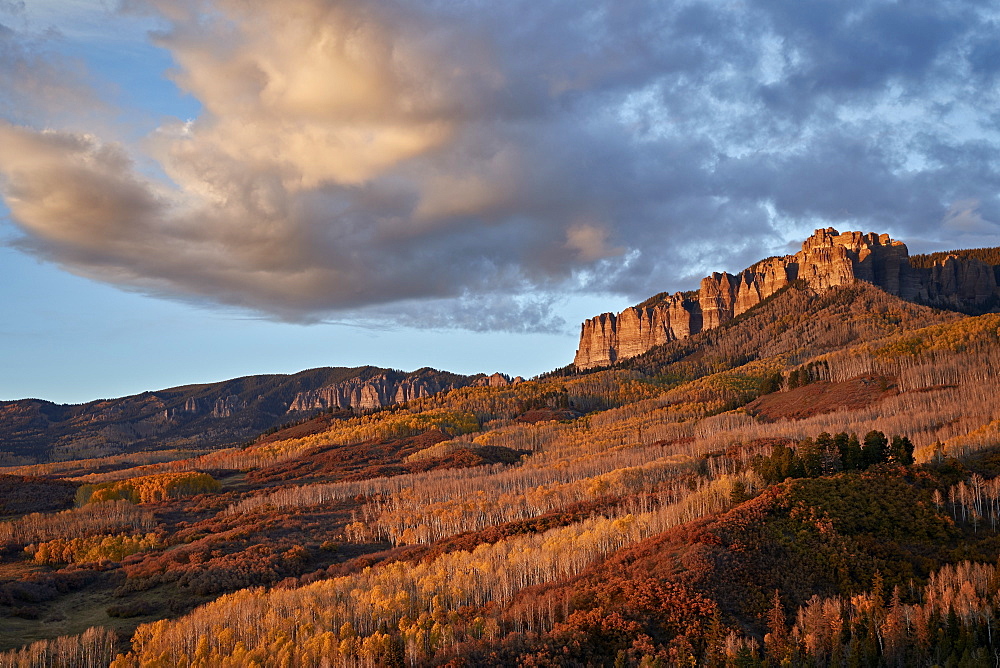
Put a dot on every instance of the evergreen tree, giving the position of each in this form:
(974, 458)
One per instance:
(875, 450)
(715, 641)
(811, 454)
(829, 452)
(853, 457)
(770, 383)
(901, 451)
(776, 640)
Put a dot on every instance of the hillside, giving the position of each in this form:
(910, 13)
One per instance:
(815, 481)
(795, 324)
(199, 417)
(963, 281)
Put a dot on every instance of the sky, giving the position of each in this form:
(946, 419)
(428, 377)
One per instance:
(194, 190)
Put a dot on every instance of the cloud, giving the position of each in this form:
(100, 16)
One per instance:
(473, 312)
(37, 86)
(590, 242)
(461, 164)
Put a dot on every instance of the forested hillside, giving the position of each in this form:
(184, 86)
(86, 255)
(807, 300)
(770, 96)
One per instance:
(197, 418)
(816, 482)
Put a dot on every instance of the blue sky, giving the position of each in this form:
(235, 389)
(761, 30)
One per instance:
(199, 189)
(68, 338)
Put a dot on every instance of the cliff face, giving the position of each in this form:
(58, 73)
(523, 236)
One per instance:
(827, 259)
(389, 387)
(638, 329)
(213, 414)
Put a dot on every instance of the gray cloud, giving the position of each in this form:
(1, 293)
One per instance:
(459, 164)
(36, 86)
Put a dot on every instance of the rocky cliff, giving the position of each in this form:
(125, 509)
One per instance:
(209, 415)
(827, 259)
(388, 387)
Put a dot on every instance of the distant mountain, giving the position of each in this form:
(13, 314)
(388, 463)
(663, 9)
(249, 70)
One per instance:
(963, 281)
(207, 415)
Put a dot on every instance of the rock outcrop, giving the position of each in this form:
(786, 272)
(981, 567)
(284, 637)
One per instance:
(611, 337)
(212, 414)
(827, 259)
(389, 387)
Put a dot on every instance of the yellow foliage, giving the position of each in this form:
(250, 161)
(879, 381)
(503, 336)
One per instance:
(957, 336)
(985, 436)
(148, 489)
(92, 548)
(419, 598)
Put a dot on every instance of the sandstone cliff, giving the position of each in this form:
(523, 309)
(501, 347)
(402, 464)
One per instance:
(207, 415)
(827, 259)
(388, 387)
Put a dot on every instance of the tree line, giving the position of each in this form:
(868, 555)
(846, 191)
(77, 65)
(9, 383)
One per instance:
(826, 455)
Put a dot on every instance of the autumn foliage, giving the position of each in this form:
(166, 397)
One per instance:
(148, 489)
(92, 548)
(815, 483)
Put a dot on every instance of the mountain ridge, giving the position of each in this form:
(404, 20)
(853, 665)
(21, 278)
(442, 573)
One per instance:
(822, 449)
(210, 415)
(953, 280)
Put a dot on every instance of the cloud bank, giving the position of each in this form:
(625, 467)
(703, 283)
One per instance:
(463, 164)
